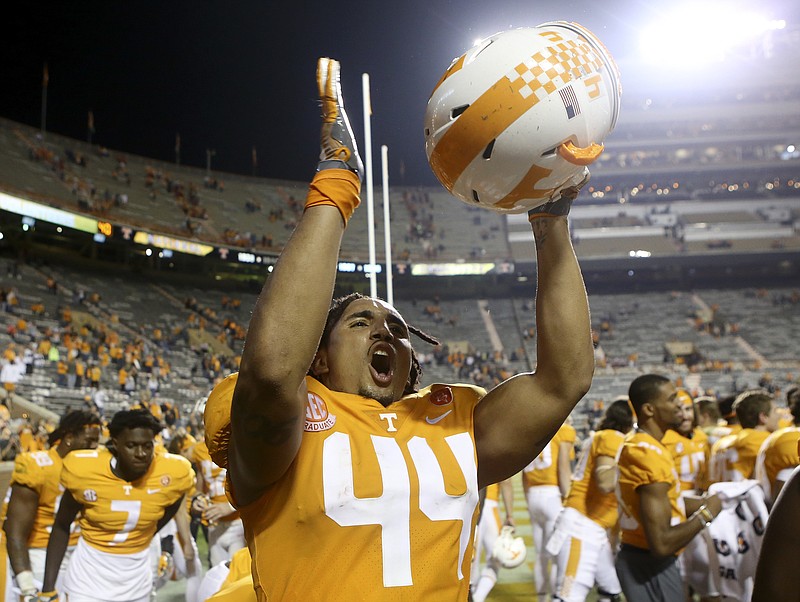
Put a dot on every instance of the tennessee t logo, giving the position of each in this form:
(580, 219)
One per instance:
(389, 417)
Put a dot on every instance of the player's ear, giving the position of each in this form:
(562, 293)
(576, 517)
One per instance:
(320, 364)
(110, 446)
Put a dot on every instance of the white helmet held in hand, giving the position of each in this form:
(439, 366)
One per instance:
(518, 118)
(510, 551)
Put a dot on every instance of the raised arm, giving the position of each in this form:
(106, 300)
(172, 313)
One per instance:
(268, 408)
(518, 417)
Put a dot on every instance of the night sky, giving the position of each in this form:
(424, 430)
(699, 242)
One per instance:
(233, 75)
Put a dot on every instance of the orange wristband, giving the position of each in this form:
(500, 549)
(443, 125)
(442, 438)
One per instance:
(336, 187)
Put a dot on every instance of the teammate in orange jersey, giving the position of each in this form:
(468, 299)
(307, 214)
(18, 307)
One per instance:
(225, 531)
(758, 416)
(34, 497)
(581, 540)
(688, 445)
(779, 453)
(350, 479)
(652, 523)
(125, 494)
(546, 482)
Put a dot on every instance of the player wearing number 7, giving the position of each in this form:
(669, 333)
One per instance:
(354, 484)
(125, 494)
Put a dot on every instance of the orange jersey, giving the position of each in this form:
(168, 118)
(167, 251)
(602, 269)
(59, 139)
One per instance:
(544, 469)
(40, 471)
(213, 475)
(584, 494)
(690, 457)
(740, 454)
(118, 516)
(643, 460)
(777, 458)
(378, 499)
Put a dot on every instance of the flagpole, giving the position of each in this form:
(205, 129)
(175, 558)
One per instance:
(177, 149)
(387, 231)
(45, 80)
(373, 281)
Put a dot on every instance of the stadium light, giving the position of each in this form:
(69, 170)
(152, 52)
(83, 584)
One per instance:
(694, 36)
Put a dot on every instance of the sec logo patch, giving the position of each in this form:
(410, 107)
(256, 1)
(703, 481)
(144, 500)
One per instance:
(318, 418)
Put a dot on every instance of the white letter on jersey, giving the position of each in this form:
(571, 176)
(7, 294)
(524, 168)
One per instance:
(390, 418)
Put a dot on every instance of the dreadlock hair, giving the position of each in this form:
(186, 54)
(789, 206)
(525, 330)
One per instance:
(336, 311)
(73, 422)
(618, 416)
(133, 419)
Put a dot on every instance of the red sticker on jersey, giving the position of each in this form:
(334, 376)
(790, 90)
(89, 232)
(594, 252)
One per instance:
(442, 397)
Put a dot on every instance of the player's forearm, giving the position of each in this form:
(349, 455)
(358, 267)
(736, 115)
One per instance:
(290, 313)
(56, 548)
(507, 493)
(564, 473)
(564, 343)
(18, 554)
(671, 540)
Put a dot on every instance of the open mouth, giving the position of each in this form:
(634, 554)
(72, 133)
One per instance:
(381, 366)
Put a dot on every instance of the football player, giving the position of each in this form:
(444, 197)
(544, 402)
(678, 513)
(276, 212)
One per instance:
(688, 445)
(778, 454)
(653, 525)
(348, 477)
(758, 416)
(34, 497)
(546, 482)
(225, 530)
(125, 493)
(581, 541)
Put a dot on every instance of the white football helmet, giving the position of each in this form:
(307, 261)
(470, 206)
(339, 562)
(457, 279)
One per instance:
(518, 118)
(510, 551)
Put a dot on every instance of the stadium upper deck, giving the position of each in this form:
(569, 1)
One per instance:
(710, 167)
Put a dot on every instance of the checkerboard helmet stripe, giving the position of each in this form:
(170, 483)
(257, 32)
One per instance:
(518, 117)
